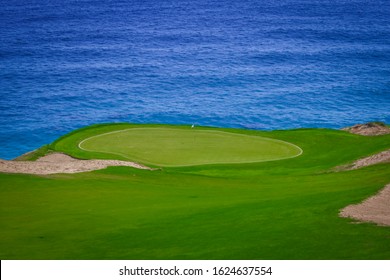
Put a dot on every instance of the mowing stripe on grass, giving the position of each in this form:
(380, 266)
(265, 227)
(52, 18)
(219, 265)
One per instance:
(188, 147)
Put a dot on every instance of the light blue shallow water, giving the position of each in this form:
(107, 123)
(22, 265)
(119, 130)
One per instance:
(258, 64)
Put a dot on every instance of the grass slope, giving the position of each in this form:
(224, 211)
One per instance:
(284, 209)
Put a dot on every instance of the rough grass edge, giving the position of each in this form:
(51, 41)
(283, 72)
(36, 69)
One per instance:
(35, 154)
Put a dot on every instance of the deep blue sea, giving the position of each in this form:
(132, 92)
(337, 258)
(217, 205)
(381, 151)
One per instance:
(258, 64)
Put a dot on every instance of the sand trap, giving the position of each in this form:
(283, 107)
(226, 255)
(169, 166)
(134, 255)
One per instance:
(61, 163)
(375, 209)
(374, 159)
(381, 157)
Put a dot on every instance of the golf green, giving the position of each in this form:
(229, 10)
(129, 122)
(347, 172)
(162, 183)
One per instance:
(185, 147)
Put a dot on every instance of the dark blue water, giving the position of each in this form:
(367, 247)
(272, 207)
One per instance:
(259, 64)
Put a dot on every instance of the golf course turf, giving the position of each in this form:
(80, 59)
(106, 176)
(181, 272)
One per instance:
(185, 147)
(234, 205)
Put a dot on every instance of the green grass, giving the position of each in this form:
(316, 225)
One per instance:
(184, 147)
(285, 209)
(34, 155)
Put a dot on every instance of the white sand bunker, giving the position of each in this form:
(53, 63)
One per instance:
(381, 157)
(375, 209)
(61, 163)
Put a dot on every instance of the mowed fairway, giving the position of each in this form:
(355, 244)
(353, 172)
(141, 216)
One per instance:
(185, 147)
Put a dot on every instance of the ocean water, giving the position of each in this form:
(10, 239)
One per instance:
(258, 64)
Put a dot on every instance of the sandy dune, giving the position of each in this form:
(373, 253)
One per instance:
(368, 129)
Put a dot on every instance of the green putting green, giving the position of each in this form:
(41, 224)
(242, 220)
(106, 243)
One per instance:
(185, 147)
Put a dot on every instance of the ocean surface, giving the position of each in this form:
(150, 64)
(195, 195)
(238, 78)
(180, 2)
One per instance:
(257, 64)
